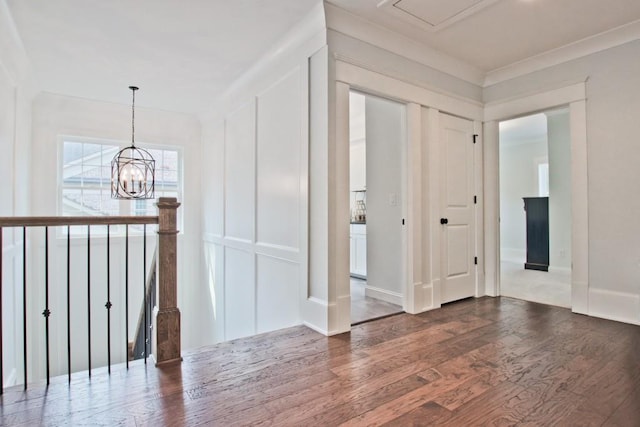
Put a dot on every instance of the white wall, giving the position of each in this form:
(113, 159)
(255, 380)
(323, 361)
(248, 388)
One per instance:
(613, 100)
(357, 166)
(357, 145)
(255, 194)
(559, 137)
(17, 89)
(385, 123)
(56, 115)
(518, 179)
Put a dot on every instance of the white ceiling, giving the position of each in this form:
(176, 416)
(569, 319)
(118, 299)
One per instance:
(183, 54)
(526, 129)
(503, 32)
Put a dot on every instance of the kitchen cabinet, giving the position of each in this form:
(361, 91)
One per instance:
(358, 250)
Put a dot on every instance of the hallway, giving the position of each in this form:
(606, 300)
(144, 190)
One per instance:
(552, 287)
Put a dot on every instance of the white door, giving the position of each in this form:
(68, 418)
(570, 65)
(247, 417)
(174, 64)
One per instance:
(457, 209)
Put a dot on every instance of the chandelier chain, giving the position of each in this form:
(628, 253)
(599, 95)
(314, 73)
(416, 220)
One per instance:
(133, 118)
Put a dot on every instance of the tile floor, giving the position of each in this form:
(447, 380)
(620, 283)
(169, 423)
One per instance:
(552, 288)
(367, 308)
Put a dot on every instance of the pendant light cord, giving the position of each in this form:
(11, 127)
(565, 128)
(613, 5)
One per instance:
(133, 115)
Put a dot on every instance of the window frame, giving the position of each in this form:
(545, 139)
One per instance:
(125, 207)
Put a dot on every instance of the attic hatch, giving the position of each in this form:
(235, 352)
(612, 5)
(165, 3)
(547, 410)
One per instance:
(433, 15)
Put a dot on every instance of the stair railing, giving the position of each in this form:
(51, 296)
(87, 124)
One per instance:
(166, 315)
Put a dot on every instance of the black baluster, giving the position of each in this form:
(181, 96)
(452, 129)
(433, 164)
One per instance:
(69, 302)
(144, 286)
(24, 301)
(89, 297)
(108, 304)
(126, 290)
(46, 311)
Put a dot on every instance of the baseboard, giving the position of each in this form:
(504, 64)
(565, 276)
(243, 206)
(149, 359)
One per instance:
(414, 298)
(619, 306)
(384, 295)
(340, 315)
(428, 298)
(315, 328)
(316, 312)
(564, 270)
(579, 297)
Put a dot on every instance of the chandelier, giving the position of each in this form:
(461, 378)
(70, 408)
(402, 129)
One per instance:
(133, 169)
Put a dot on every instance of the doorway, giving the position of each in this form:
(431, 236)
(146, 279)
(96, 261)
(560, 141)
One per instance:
(535, 207)
(377, 194)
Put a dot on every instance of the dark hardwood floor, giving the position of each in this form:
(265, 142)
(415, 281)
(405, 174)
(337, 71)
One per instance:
(476, 362)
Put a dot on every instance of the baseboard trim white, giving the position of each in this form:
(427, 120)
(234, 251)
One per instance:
(428, 299)
(383, 294)
(619, 306)
(315, 312)
(315, 328)
(566, 270)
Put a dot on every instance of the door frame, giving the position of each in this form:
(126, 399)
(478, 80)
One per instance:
(441, 207)
(404, 202)
(403, 194)
(573, 96)
(421, 281)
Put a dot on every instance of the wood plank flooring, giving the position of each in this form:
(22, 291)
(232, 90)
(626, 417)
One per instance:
(487, 361)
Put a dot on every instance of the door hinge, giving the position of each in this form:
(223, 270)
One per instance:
(475, 200)
(402, 221)
(475, 138)
(475, 260)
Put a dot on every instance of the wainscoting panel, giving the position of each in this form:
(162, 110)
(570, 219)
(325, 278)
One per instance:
(279, 163)
(239, 294)
(11, 303)
(239, 154)
(278, 293)
(256, 229)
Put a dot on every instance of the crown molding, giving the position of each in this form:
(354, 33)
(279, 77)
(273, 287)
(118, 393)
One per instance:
(536, 101)
(581, 48)
(347, 23)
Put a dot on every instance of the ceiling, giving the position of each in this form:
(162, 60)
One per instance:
(491, 34)
(182, 54)
(182, 57)
(522, 130)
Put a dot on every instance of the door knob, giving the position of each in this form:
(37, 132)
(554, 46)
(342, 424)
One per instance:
(444, 221)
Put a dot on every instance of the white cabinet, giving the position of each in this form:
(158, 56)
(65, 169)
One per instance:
(358, 250)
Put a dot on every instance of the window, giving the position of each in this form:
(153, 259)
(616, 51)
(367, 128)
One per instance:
(85, 184)
(167, 180)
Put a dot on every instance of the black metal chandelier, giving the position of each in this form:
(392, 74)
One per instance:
(133, 169)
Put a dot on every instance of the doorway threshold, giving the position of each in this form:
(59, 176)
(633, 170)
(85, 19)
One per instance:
(376, 318)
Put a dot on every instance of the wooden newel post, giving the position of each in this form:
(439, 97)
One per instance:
(168, 315)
